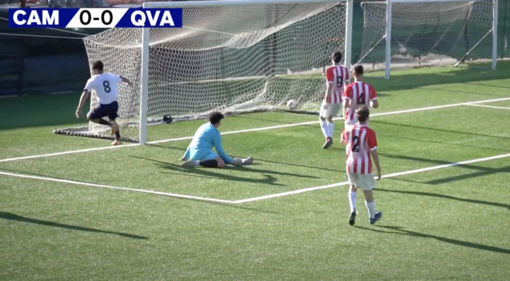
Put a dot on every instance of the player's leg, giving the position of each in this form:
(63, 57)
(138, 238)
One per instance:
(352, 195)
(112, 110)
(242, 161)
(97, 114)
(333, 111)
(324, 125)
(367, 183)
(207, 159)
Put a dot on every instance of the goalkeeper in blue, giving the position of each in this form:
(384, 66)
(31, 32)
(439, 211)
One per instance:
(200, 151)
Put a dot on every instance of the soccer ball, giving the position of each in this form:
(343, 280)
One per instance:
(292, 104)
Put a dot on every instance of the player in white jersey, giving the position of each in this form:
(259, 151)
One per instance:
(336, 76)
(105, 86)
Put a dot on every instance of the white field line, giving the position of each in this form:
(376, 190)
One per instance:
(489, 106)
(247, 130)
(115, 187)
(385, 176)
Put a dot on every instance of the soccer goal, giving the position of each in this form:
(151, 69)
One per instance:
(428, 33)
(233, 56)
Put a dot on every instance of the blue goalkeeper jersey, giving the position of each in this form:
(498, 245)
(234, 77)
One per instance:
(207, 137)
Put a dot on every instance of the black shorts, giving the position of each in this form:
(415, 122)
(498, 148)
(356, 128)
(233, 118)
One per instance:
(105, 110)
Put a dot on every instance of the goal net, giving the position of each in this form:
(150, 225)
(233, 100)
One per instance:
(231, 57)
(426, 33)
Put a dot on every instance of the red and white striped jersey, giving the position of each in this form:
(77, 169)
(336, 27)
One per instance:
(359, 93)
(360, 141)
(336, 76)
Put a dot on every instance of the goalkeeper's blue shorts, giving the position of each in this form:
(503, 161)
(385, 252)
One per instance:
(201, 155)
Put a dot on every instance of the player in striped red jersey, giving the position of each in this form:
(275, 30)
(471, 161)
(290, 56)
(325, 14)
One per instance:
(356, 94)
(361, 143)
(336, 76)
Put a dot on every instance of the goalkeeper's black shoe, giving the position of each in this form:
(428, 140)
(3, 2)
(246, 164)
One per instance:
(352, 218)
(328, 143)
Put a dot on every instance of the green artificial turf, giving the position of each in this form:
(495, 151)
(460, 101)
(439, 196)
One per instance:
(449, 223)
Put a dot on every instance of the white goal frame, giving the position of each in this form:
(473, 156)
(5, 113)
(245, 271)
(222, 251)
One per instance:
(144, 70)
(494, 30)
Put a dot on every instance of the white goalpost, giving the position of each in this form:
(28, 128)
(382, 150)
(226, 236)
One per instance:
(411, 33)
(233, 56)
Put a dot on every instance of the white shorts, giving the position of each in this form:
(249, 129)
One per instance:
(363, 181)
(331, 109)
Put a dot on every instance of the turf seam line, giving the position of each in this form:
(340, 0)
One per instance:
(488, 106)
(384, 176)
(117, 188)
(245, 131)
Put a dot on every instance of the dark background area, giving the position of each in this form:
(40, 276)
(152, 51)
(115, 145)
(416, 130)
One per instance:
(42, 61)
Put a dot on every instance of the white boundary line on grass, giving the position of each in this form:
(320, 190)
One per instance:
(265, 197)
(384, 176)
(247, 130)
(116, 187)
(489, 106)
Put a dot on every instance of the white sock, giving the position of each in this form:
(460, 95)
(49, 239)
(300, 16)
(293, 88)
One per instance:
(197, 163)
(325, 129)
(371, 209)
(331, 129)
(352, 200)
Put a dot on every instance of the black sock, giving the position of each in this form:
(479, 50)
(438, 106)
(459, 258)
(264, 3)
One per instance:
(209, 163)
(117, 136)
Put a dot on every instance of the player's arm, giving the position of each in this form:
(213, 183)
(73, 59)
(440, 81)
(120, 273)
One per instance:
(347, 99)
(83, 98)
(372, 144)
(346, 81)
(125, 80)
(345, 137)
(219, 147)
(330, 84)
(373, 98)
(186, 155)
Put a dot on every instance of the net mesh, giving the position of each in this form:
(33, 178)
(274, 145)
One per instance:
(427, 34)
(228, 58)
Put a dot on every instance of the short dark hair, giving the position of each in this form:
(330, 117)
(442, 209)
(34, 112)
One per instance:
(362, 113)
(337, 57)
(358, 69)
(98, 65)
(215, 117)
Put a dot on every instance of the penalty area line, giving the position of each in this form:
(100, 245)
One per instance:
(116, 187)
(384, 176)
(247, 130)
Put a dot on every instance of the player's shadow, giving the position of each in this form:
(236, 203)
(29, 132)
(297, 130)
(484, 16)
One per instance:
(14, 217)
(270, 179)
(438, 130)
(428, 194)
(401, 231)
(479, 171)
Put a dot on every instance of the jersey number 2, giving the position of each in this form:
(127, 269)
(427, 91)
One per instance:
(106, 85)
(355, 144)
